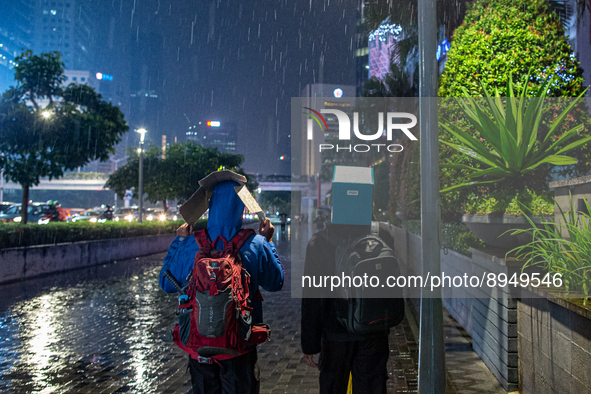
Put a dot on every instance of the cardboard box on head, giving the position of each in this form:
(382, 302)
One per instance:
(352, 195)
(198, 204)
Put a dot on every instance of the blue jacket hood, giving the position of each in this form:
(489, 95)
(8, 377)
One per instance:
(225, 212)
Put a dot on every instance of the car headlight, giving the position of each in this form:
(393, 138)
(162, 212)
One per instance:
(150, 217)
(162, 218)
(102, 220)
(117, 219)
(18, 219)
(174, 217)
(43, 221)
(128, 217)
(92, 220)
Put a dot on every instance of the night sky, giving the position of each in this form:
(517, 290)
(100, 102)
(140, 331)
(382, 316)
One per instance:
(238, 60)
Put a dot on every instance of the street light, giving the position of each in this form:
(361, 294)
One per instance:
(142, 132)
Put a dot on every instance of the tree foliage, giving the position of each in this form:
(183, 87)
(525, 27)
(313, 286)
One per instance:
(276, 201)
(177, 175)
(506, 37)
(46, 129)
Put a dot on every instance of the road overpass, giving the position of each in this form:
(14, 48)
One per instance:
(63, 184)
(98, 184)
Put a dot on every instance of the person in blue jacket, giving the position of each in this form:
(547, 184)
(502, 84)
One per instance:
(259, 258)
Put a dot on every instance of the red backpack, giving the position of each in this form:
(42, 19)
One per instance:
(214, 317)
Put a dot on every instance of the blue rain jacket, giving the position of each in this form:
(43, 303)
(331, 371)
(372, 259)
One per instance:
(259, 257)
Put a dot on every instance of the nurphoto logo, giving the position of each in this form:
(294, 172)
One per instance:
(344, 130)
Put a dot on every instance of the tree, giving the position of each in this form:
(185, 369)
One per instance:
(158, 185)
(277, 201)
(73, 128)
(176, 176)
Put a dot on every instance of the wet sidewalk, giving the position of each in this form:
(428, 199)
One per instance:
(106, 329)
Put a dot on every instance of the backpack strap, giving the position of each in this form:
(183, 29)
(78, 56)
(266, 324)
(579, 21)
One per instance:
(375, 229)
(203, 241)
(239, 239)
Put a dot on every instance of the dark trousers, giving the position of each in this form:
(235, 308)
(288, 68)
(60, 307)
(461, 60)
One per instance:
(364, 360)
(238, 375)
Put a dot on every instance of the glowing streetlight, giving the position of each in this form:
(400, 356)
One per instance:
(142, 132)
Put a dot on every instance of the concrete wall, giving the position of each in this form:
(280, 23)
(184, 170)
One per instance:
(488, 315)
(534, 345)
(575, 188)
(554, 347)
(28, 262)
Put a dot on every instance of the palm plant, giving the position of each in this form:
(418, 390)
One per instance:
(568, 256)
(512, 143)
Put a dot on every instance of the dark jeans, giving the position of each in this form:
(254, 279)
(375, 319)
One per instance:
(238, 375)
(365, 360)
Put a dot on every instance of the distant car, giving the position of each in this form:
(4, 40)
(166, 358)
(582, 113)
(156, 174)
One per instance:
(72, 213)
(129, 214)
(172, 214)
(153, 214)
(4, 205)
(274, 219)
(13, 213)
(90, 215)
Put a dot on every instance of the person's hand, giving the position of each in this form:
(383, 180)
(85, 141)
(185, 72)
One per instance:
(184, 230)
(310, 360)
(266, 229)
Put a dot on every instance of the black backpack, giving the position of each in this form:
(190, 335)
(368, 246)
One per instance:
(364, 310)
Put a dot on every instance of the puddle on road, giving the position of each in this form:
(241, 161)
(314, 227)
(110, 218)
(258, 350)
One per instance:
(107, 330)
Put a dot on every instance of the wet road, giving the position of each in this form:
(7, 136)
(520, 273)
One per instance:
(102, 329)
(106, 329)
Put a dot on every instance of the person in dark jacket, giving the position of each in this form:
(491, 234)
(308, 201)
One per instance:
(363, 355)
(342, 352)
(259, 258)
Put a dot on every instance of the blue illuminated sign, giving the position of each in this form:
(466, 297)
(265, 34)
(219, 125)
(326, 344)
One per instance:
(442, 49)
(104, 77)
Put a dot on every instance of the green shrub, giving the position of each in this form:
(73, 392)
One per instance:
(527, 201)
(509, 37)
(16, 235)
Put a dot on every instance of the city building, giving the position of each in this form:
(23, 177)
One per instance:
(214, 134)
(16, 36)
(64, 26)
(307, 161)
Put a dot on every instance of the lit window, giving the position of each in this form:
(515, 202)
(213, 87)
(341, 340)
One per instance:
(45, 12)
(53, 12)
